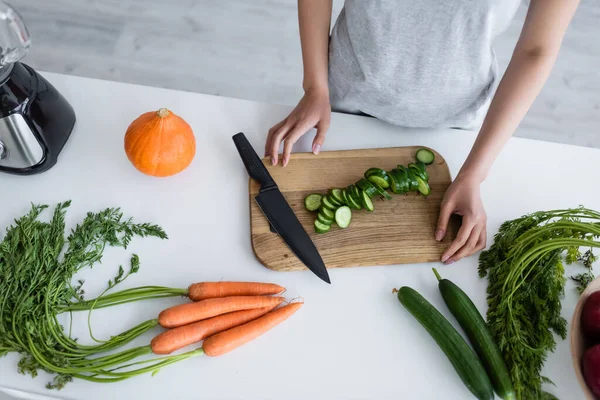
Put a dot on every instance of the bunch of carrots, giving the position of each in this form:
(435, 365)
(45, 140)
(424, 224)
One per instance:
(225, 315)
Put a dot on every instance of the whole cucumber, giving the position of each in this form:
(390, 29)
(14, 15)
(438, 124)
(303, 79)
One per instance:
(479, 335)
(463, 358)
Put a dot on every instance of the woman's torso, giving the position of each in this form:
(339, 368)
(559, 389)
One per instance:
(425, 63)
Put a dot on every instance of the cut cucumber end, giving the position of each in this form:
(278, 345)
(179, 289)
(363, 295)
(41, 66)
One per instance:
(312, 202)
(426, 156)
(423, 187)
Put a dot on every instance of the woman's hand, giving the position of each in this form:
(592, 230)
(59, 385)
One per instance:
(312, 111)
(463, 198)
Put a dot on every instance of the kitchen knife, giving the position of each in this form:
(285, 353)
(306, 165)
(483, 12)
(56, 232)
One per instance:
(278, 211)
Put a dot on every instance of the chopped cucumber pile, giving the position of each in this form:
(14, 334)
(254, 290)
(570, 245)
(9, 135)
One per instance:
(338, 204)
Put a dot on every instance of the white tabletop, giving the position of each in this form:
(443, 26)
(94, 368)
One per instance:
(351, 340)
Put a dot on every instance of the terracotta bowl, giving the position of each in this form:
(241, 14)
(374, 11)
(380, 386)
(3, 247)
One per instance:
(578, 345)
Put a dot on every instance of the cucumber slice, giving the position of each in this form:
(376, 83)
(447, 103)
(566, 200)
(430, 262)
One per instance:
(421, 166)
(418, 172)
(327, 203)
(395, 182)
(425, 156)
(327, 213)
(402, 176)
(383, 183)
(321, 228)
(337, 194)
(333, 201)
(323, 219)
(343, 216)
(382, 192)
(345, 197)
(366, 201)
(312, 202)
(424, 188)
(354, 204)
(353, 190)
(412, 180)
(372, 171)
(367, 187)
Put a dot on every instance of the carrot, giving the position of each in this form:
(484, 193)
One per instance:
(233, 338)
(184, 314)
(175, 339)
(208, 290)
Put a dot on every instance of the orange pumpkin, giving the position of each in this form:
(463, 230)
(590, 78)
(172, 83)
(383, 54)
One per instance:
(160, 143)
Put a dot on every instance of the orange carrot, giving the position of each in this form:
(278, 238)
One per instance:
(184, 314)
(233, 338)
(175, 339)
(207, 290)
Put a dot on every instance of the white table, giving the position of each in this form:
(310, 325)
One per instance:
(351, 340)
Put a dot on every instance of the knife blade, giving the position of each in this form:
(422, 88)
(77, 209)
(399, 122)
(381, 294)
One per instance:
(278, 212)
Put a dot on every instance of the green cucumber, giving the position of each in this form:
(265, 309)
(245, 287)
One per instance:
(417, 171)
(312, 202)
(343, 216)
(345, 197)
(412, 181)
(423, 188)
(366, 201)
(373, 171)
(426, 156)
(354, 204)
(403, 179)
(463, 358)
(367, 187)
(478, 333)
(322, 218)
(395, 182)
(354, 192)
(327, 213)
(421, 166)
(321, 228)
(337, 194)
(334, 201)
(327, 203)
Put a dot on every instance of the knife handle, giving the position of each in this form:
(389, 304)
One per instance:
(256, 168)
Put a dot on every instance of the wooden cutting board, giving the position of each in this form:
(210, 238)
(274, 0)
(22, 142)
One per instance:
(398, 231)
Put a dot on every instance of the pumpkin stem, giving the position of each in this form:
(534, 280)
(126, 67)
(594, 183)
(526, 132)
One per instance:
(162, 112)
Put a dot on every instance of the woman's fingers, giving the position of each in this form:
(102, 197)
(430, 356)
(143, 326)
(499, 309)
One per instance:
(290, 139)
(446, 210)
(463, 236)
(278, 136)
(272, 131)
(482, 240)
(469, 247)
(319, 139)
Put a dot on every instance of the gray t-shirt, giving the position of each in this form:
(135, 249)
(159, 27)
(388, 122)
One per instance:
(426, 63)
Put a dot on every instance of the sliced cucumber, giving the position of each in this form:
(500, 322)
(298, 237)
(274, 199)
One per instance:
(345, 197)
(354, 192)
(423, 188)
(383, 183)
(412, 180)
(425, 156)
(343, 216)
(312, 202)
(354, 204)
(337, 194)
(395, 182)
(323, 219)
(421, 166)
(402, 176)
(366, 201)
(327, 203)
(321, 228)
(372, 171)
(327, 213)
(367, 187)
(333, 201)
(417, 171)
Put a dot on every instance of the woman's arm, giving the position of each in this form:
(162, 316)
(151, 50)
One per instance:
(528, 70)
(313, 110)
